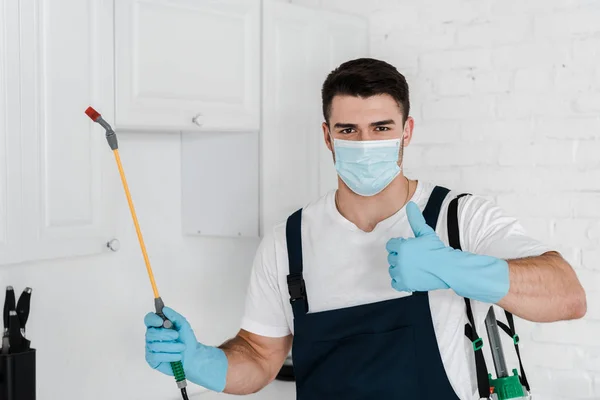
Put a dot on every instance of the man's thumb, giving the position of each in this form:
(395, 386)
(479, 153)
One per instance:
(186, 334)
(417, 221)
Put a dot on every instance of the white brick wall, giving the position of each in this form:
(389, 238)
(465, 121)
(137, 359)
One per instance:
(506, 97)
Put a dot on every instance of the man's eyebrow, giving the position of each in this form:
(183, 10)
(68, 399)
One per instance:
(344, 125)
(384, 122)
(376, 123)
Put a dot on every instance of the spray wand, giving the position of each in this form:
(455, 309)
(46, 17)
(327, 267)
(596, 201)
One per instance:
(111, 138)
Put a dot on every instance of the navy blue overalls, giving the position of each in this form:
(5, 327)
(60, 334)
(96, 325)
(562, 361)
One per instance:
(380, 351)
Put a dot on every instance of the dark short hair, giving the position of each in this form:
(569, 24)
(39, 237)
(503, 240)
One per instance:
(365, 77)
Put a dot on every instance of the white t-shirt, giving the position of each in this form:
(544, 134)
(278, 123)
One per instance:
(345, 266)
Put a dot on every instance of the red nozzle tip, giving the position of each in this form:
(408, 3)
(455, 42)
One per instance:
(93, 114)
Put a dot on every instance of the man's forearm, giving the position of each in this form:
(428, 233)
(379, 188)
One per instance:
(249, 371)
(544, 289)
(245, 373)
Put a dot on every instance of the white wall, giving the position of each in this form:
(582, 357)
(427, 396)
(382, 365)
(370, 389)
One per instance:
(506, 97)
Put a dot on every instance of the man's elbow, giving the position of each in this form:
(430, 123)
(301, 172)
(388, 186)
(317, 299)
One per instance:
(577, 304)
(575, 298)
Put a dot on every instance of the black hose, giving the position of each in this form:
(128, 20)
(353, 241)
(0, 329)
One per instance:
(184, 394)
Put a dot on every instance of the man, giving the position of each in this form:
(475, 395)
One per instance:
(363, 279)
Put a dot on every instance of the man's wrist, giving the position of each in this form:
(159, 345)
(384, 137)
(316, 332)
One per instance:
(209, 368)
(479, 277)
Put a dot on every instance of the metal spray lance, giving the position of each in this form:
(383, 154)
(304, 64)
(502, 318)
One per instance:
(111, 138)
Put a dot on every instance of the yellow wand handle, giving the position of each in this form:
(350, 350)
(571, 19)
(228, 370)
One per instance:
(135, 222)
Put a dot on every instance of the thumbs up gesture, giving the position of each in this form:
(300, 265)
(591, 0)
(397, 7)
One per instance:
(416, 264)
(424, 263)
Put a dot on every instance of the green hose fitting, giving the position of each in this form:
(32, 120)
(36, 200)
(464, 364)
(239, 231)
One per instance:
(179, 374)
(176, 366)
(508, 387)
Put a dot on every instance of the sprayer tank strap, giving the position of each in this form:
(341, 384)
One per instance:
(483, 384)
(470, 329)
(510, 331)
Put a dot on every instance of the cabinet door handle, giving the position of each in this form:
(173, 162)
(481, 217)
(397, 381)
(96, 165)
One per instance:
(114, 244)
(196, 119)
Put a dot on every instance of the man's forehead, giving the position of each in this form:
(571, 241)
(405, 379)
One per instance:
(343, 106)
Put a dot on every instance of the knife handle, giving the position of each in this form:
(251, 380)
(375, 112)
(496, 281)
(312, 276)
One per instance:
(23, 306)
(14, 333)
(9, 304)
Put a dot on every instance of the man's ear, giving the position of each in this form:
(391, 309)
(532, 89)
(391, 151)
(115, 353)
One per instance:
(407, 133)
(326, 136)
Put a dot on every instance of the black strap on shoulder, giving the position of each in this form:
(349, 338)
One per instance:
(295, 280)
(470, 331)
(453, 231)
(483, 383)
(432, 210)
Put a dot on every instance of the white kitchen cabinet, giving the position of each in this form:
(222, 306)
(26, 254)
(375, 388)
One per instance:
(187, 65)
(219, 183)
(56, 172)
(10, 156)
(300, 47)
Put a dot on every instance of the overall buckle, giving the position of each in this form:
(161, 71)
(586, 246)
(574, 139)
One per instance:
(296, 287)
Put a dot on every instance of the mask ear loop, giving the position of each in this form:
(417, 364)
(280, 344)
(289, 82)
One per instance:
(401, 153)
(331, 141)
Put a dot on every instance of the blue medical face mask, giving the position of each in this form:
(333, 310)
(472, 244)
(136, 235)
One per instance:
(367, 166)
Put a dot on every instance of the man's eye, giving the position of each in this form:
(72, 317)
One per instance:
(347, 130)
(382, 128)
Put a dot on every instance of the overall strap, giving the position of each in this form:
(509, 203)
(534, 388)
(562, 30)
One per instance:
(432, 211)
(295, 281)
(434, 205)
(483, 383)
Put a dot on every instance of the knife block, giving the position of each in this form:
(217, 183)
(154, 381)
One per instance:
(17, 376)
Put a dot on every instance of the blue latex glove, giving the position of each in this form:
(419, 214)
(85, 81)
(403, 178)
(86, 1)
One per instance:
(425, 263)
(204, 365)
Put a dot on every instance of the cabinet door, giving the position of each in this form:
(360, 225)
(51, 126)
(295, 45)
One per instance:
(10, 155)
(290, 103)
(68, 177)
(300, 47)
(210, 162)
(187, 64)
